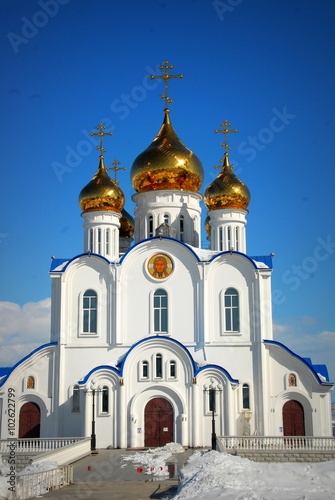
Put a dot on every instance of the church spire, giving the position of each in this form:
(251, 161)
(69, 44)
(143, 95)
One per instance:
(166, 66)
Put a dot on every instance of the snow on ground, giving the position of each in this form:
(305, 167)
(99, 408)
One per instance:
(212, 475)
(154, 460)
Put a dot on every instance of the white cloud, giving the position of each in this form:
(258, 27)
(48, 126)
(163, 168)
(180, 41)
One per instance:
(22, 329)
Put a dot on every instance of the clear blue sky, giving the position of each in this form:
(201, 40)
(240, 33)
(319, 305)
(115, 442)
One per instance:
(265, 65)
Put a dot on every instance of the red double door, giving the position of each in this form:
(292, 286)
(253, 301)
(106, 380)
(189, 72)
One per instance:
(158, 418)
(29, 421)
(293, 419)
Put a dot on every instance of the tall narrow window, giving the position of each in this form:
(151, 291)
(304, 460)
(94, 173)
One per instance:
(166, 218)
(150, 226)
(246, 397)
(145, 369)
(107, 241)
(159, 366)
(236, 238)
(90, 312)
(99, 241)
(229, 238)
(105, 399)
(173, 372)
(232, 315)
(181, 228)
(221, 238)
(91, 244)
(212, 399)
(76, 398)
(160, 311)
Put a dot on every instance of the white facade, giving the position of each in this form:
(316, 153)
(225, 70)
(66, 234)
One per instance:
(146, 336)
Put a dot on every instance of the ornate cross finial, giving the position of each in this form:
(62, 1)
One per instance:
(225, 131)
(101, 127)
(166, 77)
(115, 169)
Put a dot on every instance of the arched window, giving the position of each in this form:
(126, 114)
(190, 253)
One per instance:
(90, 312)
(232, 314)
(246, 397)
(166, 219)
(105, 399)
(150, 226)
(160, 311)
(145, 369)
(159, 366)
(30, 382)
(173, 371)
(292, 380)
(181, 228)
(76, 398)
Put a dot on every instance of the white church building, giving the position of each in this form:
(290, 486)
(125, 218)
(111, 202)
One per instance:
(153, 328)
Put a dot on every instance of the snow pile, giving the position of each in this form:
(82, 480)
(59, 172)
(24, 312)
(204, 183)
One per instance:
(213, 475)
(154, 460)
(39, 467)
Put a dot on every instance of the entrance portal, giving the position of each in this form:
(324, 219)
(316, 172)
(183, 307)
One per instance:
(293, 419)
(158, 419)
(29, 421)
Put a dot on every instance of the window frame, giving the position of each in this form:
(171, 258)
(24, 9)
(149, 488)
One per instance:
(83, 309)
(234, 329)
(75, 405)
(160, 313)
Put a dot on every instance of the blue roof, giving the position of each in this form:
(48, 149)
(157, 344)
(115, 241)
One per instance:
(58, 262)
(5, 371)
(315, 369)
(266, 259)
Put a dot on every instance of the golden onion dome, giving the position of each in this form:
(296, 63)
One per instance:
(227, 191)
(167, 164)
(126, 224)
(101, 193)
(207, 225)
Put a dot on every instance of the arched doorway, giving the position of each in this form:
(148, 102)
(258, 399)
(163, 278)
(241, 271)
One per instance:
(158, 421)
(29, 421)
(293, 419)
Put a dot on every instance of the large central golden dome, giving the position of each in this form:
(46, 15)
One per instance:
(167, 164)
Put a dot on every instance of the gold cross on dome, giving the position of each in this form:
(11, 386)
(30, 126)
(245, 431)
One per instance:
(166, 77)
(226, 131)
(101, 127)
(115, 169)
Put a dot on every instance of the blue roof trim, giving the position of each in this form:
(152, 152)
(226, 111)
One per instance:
(260, 259)
(303, 360)
(159, 238)
(158, 337)
(24, 359)
(101, 367)
(4, 371)
(230, 378)
(266, 259)
(69, 261)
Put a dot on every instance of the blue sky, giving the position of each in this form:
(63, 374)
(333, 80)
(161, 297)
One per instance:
(265, 65)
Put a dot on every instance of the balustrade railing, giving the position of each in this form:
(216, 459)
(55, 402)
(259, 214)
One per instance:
(36, 444)
(33, 485)
(278, 443)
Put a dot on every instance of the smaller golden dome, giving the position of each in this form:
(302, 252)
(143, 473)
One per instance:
(101, 193)
(227, 191)
(207, 225)
(167, 164)
(126, 224)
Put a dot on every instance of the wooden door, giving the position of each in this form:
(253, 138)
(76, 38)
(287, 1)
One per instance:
(293, 419)
(29, 421)
(158, 418)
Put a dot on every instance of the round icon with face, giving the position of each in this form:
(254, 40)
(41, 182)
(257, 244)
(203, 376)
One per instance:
(160, 266)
